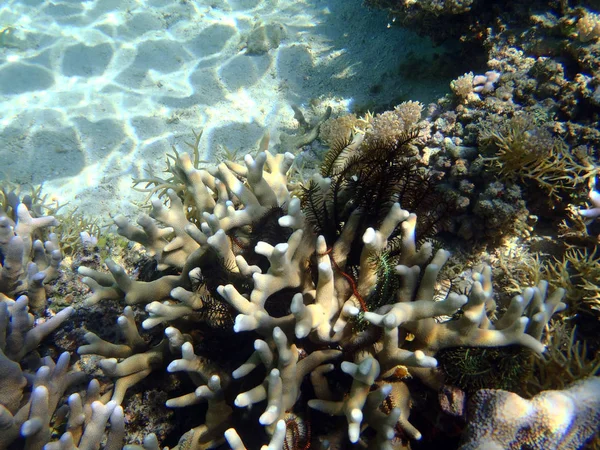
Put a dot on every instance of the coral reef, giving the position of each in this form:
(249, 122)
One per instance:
(339, 292)
(530, 120)
(32, 387)
(340, 298)
(45, 382)
(266, 307)
(318, 305)
(567, 361)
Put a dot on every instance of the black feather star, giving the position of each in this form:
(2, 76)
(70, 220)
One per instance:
(370, 179)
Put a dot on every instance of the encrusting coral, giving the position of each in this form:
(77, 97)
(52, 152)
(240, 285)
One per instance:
(552, 420)
(302, 295)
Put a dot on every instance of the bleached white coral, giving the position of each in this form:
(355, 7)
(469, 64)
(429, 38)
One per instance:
(27, 263)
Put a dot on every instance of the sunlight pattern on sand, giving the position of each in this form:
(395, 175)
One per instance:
(93, 93)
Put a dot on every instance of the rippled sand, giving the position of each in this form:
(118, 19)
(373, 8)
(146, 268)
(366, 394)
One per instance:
(94, 93)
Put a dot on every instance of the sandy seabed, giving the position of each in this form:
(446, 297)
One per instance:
(95, 93)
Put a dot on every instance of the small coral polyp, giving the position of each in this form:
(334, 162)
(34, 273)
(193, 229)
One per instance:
(241, 243)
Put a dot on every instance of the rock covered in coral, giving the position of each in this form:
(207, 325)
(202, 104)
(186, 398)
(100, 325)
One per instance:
(552, 420)
(459, 17)
(324, 302)
(32, 388)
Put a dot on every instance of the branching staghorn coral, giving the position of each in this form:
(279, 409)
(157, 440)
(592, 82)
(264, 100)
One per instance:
(76, 231)
(68, 225)
(576, 269)
(566, 361)
(298, 283)
(523, 150)
(37, 203)
(26, 263)
(578, 272)
(31, 389)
